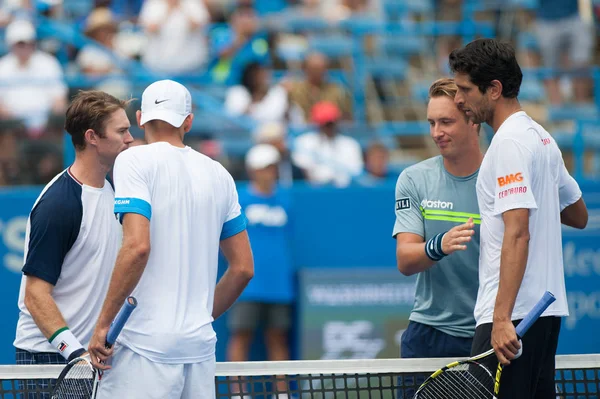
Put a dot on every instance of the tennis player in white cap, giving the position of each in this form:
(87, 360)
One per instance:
(177, 207)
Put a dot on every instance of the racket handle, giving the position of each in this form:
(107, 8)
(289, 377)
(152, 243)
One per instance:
(535, 313)
(117, 325)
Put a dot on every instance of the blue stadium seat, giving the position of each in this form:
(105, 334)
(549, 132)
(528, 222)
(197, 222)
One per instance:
(502, 5)
(399, 8)
(334, 46)
(419, 91)
(404, 46)
(532, 90)
(386, 68)
(403, 129)
(466, 28)
(306, 24)
(362, 132)
(77, 8)
(360, 26)
(526, 41)
(568, 112)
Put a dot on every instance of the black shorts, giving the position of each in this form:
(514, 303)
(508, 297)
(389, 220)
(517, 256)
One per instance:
(531, 376)
(423, 341)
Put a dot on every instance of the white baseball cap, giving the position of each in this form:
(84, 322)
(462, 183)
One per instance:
(167, 101)
(262, 155)
(20, 30)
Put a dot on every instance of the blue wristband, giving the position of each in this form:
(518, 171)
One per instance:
(433, 247)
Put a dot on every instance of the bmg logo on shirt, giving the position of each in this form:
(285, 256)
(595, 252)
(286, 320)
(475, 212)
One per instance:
(510, 179)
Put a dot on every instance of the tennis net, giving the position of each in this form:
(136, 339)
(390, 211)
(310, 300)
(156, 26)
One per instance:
(577, 377)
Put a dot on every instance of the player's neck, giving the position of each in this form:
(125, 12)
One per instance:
(503, 111)
(88, 170)
(464, 165)
(165, 137)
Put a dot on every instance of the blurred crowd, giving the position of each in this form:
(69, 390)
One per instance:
(266, 63)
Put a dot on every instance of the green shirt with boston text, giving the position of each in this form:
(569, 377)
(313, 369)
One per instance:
(429, 200)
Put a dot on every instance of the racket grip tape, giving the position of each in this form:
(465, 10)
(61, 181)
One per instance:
(119, 321)
(535, 313)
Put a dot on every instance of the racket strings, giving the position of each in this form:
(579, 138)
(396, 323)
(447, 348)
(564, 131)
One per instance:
(78, 383)
(466, 381)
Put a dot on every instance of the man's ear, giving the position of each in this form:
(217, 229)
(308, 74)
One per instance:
(90, 137)
(138, 118)
(495, 90)
(187, 123)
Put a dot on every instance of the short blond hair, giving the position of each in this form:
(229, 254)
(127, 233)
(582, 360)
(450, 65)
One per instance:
(443, 87)
(446, 87)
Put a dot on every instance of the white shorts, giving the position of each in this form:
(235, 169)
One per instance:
(133, 376)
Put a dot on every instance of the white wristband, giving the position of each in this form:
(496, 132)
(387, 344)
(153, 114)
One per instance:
(65, 342)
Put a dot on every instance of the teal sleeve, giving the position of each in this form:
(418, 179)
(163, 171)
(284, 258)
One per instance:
(407, 206)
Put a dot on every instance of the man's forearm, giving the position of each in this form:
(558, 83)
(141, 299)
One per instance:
(45, 313)
(513, 262)
(228, 290)
(411, 258)
(127, 273)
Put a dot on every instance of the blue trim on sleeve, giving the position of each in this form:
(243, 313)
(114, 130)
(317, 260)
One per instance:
(132, 205)
(55, 222)
(234, 226)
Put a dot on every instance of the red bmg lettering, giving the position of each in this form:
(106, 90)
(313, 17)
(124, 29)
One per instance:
(511, 191)
(510, 179)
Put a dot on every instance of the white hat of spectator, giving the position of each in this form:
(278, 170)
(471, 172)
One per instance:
(167, 101)
(262, 155)
(20, 30)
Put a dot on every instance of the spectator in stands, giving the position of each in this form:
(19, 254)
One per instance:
(101, 27)
(32, 88)
(561, 28)
(237, 45)
(307, 9)
(275, 134)
(315, 87)
(326, 156)
(260, 100)
(176, 38)
(94, 61)
(377, 171)
(266, 301)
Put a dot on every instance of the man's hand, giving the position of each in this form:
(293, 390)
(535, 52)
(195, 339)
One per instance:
(505, 341)
(97, 349)
(457, 237)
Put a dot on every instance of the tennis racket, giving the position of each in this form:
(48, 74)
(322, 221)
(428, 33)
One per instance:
(471, 379)
(78, 378)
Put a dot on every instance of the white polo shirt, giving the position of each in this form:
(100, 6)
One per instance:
(192, 204)
(328, 160)
(175, 47)
(523, 168)
(29, 91)
(72, 240)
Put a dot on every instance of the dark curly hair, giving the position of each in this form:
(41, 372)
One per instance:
(485, 60)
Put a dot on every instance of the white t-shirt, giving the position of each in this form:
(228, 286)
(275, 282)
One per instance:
(175, 48)
(72, 240)
(96, 58)
(273, 107)
(192, 204)
(523, 169)
(328, 161)
(29, 91)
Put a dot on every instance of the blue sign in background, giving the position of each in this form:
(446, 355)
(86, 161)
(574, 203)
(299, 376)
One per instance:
(336, 229)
